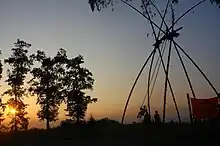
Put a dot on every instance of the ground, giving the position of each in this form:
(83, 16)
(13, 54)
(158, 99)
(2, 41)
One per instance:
(115, 135)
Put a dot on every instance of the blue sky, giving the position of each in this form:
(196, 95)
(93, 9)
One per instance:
(114, 45)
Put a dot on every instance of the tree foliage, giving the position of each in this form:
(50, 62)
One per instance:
(20, 66)
(217, 2)
(2, 105)
(54, 80)
(2, 109)
(76, 80)
(46, 84)
(61, 79)
(100, 4)
(77, 103)
(20, 119)
(1, 67)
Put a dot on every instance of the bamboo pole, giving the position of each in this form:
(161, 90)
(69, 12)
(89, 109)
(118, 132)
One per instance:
(152, 77)
(170, 86)
(135, 82)
(162, 17)
(185, 71)
(157, 46)
(148, 85)
(157, 72)
(151, 22)
(209, 82)
(157, 68)
(189, 107)
(154, 32)
(166, 81)
(143, 16)
(190, 9)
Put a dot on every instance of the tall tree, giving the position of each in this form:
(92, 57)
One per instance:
(76, 80)
(46, 84)
(20, 65)
(2, 109)
(3, 128)
(2, 105)
(1, 66)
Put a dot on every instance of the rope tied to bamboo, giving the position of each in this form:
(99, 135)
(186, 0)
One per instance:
(167, 36)
(170, 35)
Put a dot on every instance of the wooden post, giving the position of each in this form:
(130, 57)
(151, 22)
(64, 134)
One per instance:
(218, 106)
(190, 111)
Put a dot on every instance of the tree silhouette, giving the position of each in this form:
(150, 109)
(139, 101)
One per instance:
(76, 80)
(91, 120)
(1, 66)
(20, 66)
(217, 2)
(2, 105)
(18, 116)
(46, 84)
(99, 4)
(61, 79)
(2, 109)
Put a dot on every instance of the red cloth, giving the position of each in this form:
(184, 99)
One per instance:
(204, 108)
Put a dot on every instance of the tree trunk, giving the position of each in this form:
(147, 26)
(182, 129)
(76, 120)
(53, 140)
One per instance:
(16, 105)
(78, 120)
(16, 128)
(48, 124)
(47, 116)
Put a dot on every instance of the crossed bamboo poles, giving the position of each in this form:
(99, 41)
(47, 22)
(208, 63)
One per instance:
(161, 39)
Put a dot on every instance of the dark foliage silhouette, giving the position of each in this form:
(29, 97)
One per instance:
(91, 120)
(217, 2)
(107, 121)
(66, 122)
(58, 80)
(157, 119)
(1, 66)
(20, 119)
(100, 4)
(76, 80)
(20, 66)
(2, 109)
(46, 85)
(2, 105)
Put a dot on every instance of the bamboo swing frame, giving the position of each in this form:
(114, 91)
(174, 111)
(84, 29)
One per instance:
(161, 39)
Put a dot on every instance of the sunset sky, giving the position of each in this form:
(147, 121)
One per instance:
(114, 45)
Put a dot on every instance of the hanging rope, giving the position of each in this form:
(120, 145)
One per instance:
(171, 90)
(148, 84)
(153, 74)
(158, 42)
(134, 84)
(158, 70)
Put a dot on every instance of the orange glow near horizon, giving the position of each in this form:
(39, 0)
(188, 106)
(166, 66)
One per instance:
(10, 110)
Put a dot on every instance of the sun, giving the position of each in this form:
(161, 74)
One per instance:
(10, 111)
(13, 111)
